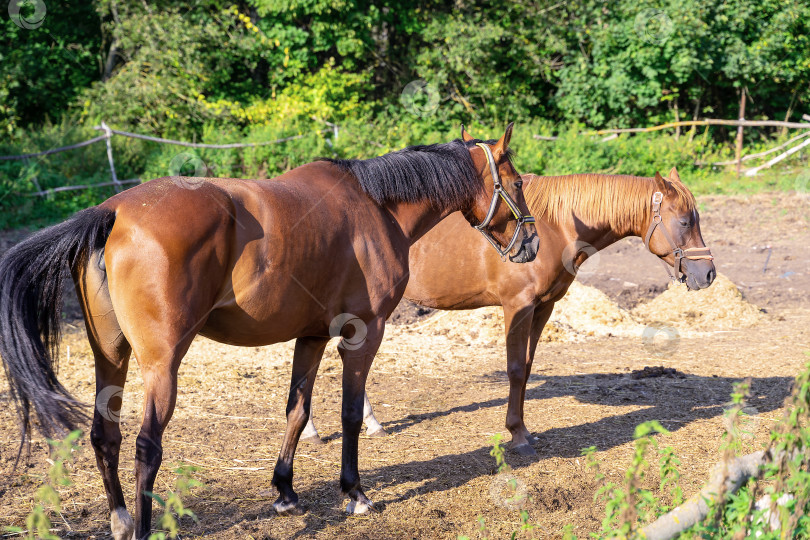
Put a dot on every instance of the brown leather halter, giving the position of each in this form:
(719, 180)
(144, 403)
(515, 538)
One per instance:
(677, 251)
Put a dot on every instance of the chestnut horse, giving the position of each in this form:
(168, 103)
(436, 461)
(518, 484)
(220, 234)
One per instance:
(319, 252)
(577, 216)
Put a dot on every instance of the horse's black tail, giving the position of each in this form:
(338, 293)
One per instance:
(32, 276)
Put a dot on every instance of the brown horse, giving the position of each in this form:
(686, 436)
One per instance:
(319, 252)
(577, 216)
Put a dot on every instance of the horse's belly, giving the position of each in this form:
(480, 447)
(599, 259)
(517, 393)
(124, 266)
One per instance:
(238, 327)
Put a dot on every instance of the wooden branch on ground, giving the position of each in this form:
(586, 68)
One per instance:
(696, 508)
(758, 154)
(777, 159)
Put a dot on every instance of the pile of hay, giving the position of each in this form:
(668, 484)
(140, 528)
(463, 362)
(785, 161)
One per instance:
(586, 312)
(591, 313)
(582, 313)
(720, 307)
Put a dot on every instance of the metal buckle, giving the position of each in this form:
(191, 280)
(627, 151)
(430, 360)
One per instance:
(658, 197)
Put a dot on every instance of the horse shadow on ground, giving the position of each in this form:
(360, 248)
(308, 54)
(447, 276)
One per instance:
(674, 400)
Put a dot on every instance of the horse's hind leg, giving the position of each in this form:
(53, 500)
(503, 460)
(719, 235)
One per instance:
(306, 359)
(111, 352)
(159, 358)
(310, 433)
(373, 427)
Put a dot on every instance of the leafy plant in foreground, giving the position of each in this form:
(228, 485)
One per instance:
(47, 498)
(173, 503)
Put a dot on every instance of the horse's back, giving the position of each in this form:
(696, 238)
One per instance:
(260, 261)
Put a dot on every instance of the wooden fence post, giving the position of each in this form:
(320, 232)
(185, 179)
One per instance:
(738, 157)
(108, 136)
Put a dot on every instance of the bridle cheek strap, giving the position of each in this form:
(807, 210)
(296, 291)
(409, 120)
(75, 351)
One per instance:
(499, 192)
(693, 253)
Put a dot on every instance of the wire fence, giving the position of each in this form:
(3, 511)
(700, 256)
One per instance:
(740, 124)
(107, 138)
(612, 134)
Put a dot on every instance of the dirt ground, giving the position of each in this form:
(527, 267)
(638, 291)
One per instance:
(441, 398)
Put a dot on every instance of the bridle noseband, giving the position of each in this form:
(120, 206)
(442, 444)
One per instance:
(499, 191)
(679, 253)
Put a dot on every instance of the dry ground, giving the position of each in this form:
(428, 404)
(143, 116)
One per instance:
(441, 398)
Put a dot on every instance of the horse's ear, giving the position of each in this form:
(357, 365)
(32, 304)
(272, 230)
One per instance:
(662, 182)
(503, 143)
(464, 135)
(673, 175)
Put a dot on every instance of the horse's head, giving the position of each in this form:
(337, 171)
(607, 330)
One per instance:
(674, 233)
(500, 211)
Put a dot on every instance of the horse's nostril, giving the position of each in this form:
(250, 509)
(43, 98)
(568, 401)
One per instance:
(711, 275)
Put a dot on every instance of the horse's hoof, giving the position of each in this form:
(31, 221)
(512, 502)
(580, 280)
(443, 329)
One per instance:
(524, 450)
(313, 440)
(285, 508)
(360, 507)
(121, 525)
(378, 433)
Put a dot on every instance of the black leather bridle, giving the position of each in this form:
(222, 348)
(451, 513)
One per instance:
(499, 191)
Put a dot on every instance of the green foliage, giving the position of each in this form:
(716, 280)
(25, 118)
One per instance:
(173, 507)
(85, 166)
(629, 503)
(503, 467)
(47, 498)
(43, 70)
(783, 483)
(258, 70)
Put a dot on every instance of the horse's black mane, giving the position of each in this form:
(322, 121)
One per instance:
(443, 174)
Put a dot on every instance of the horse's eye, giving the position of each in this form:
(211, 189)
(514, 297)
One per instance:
(684, 223)
(519, 184)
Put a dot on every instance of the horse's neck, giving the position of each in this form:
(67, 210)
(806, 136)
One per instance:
(415, 219)
(600, 236)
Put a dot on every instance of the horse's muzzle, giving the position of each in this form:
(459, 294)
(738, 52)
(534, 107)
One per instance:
(699, 274)
(528, 250)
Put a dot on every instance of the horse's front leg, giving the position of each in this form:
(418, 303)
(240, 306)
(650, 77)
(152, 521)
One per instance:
(518, 326)
(357, 360)
(541, 316)
(306, 359)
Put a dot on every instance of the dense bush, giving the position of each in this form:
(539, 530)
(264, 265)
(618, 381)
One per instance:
(256, 70)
